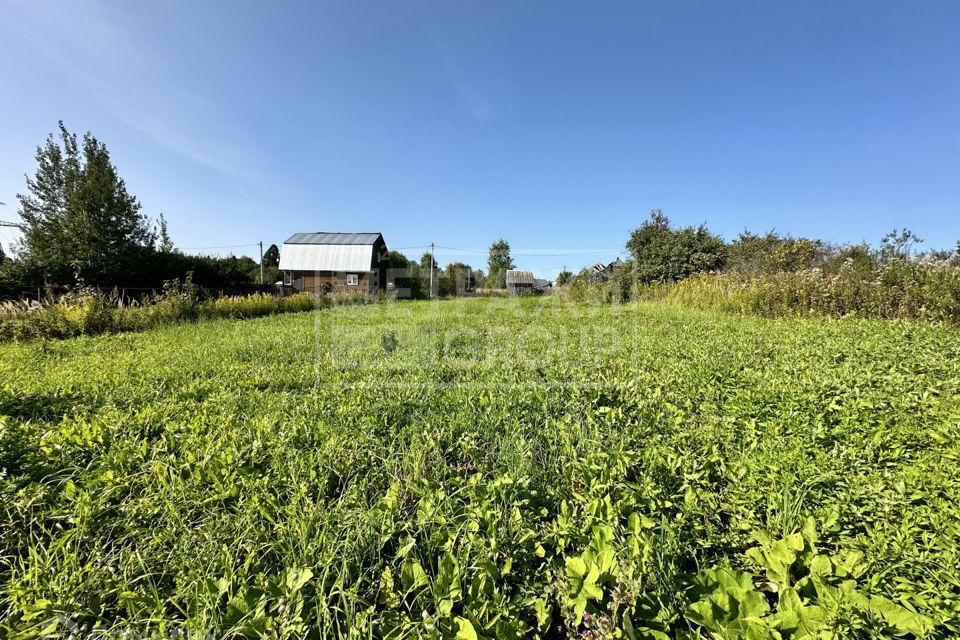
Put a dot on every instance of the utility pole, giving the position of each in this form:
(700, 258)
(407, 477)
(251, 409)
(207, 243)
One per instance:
(431, 270)
(261, 262)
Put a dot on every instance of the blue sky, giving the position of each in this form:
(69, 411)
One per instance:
(556, 125)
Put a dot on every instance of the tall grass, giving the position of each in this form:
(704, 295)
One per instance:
(88, 312)
(899, 290)
(484, 468)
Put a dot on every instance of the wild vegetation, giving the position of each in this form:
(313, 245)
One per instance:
(899, 290)
(485, 469)
(81, 225)
(773, 275)
(481, 468)
(87, 311)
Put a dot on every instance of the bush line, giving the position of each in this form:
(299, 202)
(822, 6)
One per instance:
(899, 290)
(90, 312)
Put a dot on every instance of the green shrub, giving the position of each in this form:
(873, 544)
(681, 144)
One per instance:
(87, 312)
(901, 289)
(662, 253)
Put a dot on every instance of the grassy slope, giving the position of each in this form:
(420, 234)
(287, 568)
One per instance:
(189, 472)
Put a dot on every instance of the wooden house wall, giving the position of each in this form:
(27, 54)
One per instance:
(320, 281)
(519, 289)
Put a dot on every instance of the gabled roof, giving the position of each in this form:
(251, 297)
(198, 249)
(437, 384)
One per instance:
(322, 237)
(329, 252)
(519, 277)
(597, 268)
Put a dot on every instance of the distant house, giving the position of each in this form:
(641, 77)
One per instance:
(519, 283)
(333, 262)
(542, 285)
(597, 272)
(600, 272)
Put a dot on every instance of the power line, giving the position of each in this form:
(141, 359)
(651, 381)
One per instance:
(542, 254)
(592, 252)
(573, 253)
(439, 246)
(232, 246)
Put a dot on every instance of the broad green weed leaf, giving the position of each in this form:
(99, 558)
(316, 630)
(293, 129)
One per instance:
(899, 618)
(820, 565)
(412, 576)
(465, 630)
(576, 568)
(297, 578)
(583, 585)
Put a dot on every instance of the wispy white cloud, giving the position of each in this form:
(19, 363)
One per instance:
(108, 65)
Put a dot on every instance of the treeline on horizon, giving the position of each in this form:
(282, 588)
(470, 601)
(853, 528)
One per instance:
(774, 275)
(82, 227)
(456, 278)
(766, 274)
(145, 267)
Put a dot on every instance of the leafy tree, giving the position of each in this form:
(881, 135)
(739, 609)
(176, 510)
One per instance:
(3, 256)
(236, 269)
(662, 253)
(423, 271)
(153, 267)
(498, 263)
(579, 286)
(164, 243)
(457, 277)
(563, 278)
(478, 278)
(271, 257)
(271, 264)
(940, 255)
(78, 218)
(424, 267)
(623, 282)
(426, 260)
(406, 273)
(396, 260)
(858, 257)
(755, 254)
(898, 245)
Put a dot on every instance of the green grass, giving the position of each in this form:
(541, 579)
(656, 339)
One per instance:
(92, 313)
(901, 290)
(485, 468)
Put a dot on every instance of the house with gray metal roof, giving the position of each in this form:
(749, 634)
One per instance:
(331, 262)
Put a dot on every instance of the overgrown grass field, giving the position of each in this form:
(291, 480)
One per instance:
(484, 469)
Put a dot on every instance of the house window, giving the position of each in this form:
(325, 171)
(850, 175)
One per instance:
(352, 279)
(287, 278)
